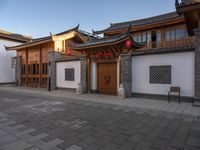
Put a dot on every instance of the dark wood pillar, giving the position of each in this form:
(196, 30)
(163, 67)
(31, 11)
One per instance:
(88, 75)
(199, 20)
(40, 68)
(26, 72)
(18, 73)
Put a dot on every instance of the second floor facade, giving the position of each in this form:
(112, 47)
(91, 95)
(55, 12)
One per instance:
(164, 37)
(163, 31)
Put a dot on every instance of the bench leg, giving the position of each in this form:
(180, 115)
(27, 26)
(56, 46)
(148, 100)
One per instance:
(168, 97)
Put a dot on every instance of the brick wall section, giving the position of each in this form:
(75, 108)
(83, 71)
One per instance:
(17, 71)
(83, 74)
(126, 73)
(197, 62)
(52, 58)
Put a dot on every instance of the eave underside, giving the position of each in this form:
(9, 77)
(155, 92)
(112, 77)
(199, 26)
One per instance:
(30, 44)
(191, 13)
(115, 45)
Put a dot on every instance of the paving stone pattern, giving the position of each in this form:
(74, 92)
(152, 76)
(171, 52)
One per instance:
(35, 122)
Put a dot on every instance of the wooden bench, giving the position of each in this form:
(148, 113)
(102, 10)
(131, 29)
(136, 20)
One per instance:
(174, 91)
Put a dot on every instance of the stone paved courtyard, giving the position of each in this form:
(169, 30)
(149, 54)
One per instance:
(37, 121)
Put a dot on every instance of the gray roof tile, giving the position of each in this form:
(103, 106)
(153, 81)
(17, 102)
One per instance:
(140, 22)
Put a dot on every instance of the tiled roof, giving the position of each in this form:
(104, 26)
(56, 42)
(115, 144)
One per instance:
(104, 41)
(188, 2)
(122, 25)
(14, 36)
(43, 39)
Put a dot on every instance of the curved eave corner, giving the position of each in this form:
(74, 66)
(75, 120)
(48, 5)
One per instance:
(136, 45)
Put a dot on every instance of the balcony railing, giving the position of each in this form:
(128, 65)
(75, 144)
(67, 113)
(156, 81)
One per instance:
(171, 43)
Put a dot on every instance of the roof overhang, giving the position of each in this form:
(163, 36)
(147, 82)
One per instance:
(114, 44)
(143, 27)
(29, 44)
(191, 12)
(64, 36)
(188, 8)
(13, 38)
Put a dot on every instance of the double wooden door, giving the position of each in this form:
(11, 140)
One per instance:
(107, 78)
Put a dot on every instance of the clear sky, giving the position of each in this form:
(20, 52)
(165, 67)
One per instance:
(39, 17)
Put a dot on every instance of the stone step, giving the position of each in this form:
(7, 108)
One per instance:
(196, 104)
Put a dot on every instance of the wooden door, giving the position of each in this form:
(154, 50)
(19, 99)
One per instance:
(107, 78)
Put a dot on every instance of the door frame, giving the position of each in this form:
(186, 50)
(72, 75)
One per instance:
(107, 62)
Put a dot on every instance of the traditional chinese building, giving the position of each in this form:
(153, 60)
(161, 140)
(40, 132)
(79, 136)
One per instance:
(107, 61)
(146, 56)
(33, 57)
(161, 54)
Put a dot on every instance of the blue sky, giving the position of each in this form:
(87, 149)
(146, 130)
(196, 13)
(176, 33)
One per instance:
(39, 17)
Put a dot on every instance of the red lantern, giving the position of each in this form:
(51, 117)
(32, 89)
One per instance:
(106, 54)
(100, 54)
(110, 54)
(97, 55)
(128, 44)
(69, 52)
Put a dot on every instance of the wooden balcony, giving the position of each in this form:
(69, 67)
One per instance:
(169, 44)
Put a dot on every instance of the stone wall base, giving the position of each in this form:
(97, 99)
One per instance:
(126, 73)
(163, 97)
(52, 58)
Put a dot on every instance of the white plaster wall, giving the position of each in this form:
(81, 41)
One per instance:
(60, 74)
(93, 76)
(7, 74)
(182, 73)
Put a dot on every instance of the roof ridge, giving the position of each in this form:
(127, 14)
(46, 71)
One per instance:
(142, 19)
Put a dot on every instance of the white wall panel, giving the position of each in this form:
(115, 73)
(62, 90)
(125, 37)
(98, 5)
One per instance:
(60, 74)
(182, 73)
(7, 74)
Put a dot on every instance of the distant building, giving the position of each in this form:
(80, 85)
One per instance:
(7, 69)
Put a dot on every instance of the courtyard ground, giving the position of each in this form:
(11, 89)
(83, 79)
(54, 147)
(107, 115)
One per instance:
(35, 119)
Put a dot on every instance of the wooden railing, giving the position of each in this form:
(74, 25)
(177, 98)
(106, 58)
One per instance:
(168, 44)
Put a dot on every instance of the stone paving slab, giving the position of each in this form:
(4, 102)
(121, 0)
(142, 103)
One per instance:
(18, 145)
(32, 139)
(7, 139)
(51, 123)
(51, 144)
(74, 147)
(160, 105)
(2, 133)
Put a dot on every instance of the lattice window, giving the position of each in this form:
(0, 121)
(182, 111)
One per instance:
(69, 74)
(160, 74)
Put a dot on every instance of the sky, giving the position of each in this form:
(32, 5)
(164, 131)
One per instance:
(39, 17)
